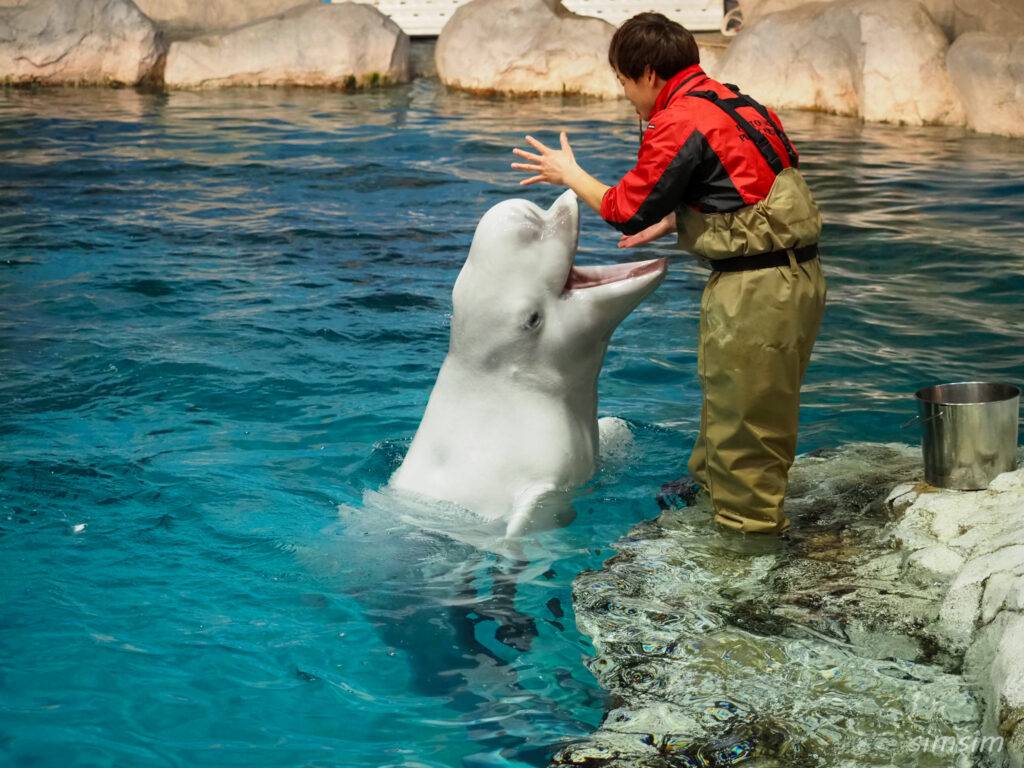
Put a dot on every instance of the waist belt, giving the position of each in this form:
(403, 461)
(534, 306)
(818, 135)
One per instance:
(762, 260)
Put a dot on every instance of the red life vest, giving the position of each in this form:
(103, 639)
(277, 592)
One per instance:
(706, 146)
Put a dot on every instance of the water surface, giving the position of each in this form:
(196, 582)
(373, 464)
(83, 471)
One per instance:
(220, 317)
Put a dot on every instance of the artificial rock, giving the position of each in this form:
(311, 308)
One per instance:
(882, 60)
(188, 18)
(524, 47)
(78, 42)
(954, 17)
(337, 45)
(987, 70)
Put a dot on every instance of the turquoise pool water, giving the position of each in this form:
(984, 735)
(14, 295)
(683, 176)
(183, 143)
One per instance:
(220, 318)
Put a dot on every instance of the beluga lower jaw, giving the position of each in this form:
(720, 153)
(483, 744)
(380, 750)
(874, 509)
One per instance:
(511, 425)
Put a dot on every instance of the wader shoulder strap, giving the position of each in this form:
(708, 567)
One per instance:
(729, 106)
(793, 160)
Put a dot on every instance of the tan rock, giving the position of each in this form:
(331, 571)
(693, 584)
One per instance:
(1008, 559)
(755, 9)
(883, 60)
(954, 17)
(340, 45)
(959, 16)
(988, 72)
(78, 42)
(183, 18)
(710, 55)
(525, 47)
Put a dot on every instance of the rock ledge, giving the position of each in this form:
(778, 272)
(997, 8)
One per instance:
(887, 628)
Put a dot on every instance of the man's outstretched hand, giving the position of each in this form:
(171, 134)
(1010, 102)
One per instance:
(554, 166)
(559, 167)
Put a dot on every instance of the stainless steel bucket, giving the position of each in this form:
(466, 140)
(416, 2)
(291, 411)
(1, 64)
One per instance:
(969, 432)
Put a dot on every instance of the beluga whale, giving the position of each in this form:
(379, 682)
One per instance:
(511, 425)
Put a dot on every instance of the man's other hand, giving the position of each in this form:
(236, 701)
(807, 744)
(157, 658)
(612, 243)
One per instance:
(653, 232)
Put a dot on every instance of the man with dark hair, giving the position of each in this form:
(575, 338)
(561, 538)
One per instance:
(652, 40)
(716, 167)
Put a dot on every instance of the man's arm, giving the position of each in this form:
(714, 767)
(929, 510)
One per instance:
(559, 166)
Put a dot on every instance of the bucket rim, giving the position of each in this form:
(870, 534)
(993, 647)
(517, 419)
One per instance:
(923, 394)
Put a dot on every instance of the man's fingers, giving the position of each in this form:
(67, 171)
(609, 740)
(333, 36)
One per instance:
(649, 235)
(527, 155)
(564, 139)
(537, 162)
(536, 144)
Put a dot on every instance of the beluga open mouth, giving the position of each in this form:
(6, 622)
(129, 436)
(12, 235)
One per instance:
(582, 278)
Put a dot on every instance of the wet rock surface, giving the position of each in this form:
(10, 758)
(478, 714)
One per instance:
(885, 629)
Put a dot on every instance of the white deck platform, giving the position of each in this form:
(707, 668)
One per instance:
(427, 17)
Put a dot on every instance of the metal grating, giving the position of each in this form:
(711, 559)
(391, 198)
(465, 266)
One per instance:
(427, 17)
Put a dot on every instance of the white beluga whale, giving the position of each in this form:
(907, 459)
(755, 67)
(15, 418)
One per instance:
(511, 425)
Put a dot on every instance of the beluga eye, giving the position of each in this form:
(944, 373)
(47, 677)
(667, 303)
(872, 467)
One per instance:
(533, 321)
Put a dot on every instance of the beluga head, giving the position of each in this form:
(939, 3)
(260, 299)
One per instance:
(522, 307)
(511, 425)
